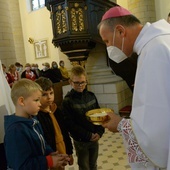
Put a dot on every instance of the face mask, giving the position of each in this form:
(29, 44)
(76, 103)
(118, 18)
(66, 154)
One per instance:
(55, 66)
(45, 68)
(27, 68)
(115, 53)
(18, 68)
(21, 68)
(62, 64)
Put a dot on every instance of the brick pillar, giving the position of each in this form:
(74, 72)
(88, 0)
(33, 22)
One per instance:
(11, 39)
(17, 30)
(143, 10)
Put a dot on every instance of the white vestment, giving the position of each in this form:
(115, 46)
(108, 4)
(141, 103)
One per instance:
(6, 105)
(150, 114)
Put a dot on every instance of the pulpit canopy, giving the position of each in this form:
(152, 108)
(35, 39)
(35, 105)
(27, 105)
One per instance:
(74, 24)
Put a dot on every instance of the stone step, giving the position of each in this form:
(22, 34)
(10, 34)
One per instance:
(98, 71)
(91, 70)
(105, 79)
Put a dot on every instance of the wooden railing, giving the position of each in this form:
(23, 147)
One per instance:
(58, 92)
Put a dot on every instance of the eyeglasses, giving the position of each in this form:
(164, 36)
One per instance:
(79, 83)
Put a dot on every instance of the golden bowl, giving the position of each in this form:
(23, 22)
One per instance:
(98, 116)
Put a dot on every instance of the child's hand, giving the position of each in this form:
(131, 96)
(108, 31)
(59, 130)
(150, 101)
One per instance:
(95, 137)
(59, 160)
(71, 159)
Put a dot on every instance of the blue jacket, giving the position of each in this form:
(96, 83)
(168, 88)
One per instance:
(24, 144)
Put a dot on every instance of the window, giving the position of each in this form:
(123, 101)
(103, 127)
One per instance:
(36, 4)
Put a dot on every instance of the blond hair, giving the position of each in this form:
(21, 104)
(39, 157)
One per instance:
(77, 71)
(11, 67)
(27, 65)
(24, 88)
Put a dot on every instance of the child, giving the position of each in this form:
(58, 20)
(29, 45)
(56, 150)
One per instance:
(24, 143)
(85, 134)
(52, 122)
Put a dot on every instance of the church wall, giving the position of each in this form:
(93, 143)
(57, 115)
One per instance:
(37, 26)
(144, 10)
(17, 34)
(11, 41)
(123, 3)
(162, 9)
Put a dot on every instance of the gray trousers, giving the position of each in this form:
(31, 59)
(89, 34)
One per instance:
(87, 154)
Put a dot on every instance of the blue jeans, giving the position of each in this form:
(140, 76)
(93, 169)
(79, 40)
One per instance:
(87, 154)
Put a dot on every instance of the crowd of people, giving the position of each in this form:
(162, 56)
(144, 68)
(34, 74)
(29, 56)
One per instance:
(31, 71)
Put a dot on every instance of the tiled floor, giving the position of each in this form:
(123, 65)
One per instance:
(112, 155)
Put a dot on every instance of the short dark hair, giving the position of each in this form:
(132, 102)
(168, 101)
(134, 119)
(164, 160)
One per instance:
(45, 83)
(17, 64)
(127, 20)
(61, 61)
